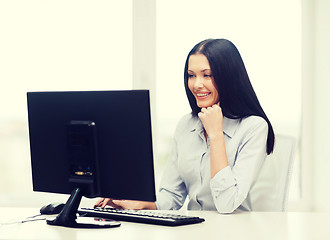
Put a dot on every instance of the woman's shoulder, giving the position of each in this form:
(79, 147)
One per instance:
(254, 120)
(243, 126)
(187, 119)
(188, 122)
(252, 123)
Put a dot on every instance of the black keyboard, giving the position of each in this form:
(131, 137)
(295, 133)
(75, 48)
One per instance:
(140, 216)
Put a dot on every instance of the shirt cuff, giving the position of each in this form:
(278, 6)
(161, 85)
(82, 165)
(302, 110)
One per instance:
(223, 180)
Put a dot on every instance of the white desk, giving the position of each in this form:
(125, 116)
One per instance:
(253, 225)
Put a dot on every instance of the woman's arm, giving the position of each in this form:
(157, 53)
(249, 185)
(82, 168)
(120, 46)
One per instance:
(172, 191)
(211, 118)
(218, 156)
(230, 185)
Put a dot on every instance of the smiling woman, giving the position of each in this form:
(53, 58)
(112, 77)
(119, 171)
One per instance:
(220, 146)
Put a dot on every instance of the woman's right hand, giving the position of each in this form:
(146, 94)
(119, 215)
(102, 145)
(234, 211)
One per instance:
(102, 202)
(125, 204)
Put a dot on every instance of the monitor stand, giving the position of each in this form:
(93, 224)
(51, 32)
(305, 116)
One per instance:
(68, 216)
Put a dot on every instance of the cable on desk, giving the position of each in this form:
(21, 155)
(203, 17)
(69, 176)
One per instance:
(28, 219)
(34, 216)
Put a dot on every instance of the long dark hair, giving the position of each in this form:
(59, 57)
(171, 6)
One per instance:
(236, 94)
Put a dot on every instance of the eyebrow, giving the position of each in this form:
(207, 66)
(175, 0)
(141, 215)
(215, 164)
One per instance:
(207, 69)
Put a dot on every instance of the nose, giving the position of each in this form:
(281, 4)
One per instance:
(198, 83)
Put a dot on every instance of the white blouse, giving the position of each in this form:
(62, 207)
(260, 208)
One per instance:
(188, 168)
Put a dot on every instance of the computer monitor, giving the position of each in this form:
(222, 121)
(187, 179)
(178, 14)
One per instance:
(92, 144)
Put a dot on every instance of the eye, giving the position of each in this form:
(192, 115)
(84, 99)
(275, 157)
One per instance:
(207, 75)
(190, 75)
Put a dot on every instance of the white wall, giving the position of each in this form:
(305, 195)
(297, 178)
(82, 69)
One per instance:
(321, 108)
(54, 45)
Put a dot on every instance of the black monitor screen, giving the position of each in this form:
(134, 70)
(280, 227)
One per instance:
(98, 139)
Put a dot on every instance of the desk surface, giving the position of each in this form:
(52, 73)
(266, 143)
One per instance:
(249, 225)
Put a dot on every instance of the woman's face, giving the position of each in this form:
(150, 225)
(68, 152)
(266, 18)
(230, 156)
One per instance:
(201, 81)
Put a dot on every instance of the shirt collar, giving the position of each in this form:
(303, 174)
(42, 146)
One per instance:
(229, 126)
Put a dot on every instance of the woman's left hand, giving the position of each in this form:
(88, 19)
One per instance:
(212, 118)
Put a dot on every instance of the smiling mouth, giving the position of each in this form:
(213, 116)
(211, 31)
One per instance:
(202, 95)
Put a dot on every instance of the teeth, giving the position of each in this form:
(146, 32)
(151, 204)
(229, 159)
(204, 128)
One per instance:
(202, 94)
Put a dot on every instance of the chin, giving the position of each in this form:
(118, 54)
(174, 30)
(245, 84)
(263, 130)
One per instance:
(204, 104)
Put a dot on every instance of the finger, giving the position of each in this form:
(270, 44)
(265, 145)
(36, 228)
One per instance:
(106, 202)
(203, 110)
(99, 202)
